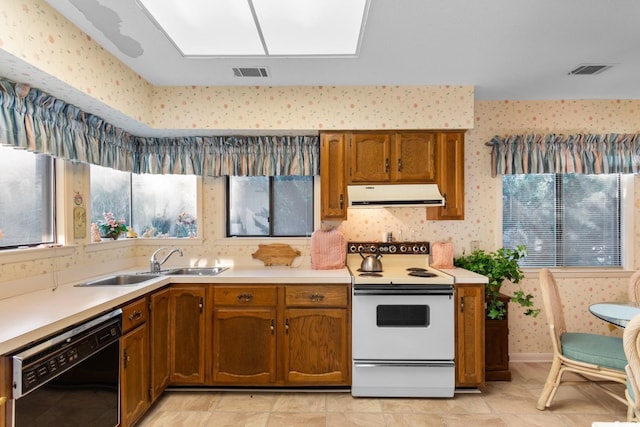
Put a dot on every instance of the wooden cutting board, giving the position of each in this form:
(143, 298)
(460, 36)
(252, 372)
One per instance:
(276, 254)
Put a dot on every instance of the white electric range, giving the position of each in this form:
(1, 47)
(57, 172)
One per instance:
(402, 323)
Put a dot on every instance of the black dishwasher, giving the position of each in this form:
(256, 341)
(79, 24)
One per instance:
(71, 379)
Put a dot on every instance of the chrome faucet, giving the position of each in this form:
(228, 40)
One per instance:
(155, 264)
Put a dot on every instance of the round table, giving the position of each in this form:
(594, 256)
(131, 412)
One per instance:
(617, 313)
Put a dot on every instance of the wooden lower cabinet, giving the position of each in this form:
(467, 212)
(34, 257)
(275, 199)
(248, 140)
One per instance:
(469, 324)
(5, 389)
(316, 346)
(244, 343)
(134, 363)
(187, 334)
(281, 335)
(159, 317)
(134, 378)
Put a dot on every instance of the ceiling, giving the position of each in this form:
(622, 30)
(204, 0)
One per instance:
(507, 50)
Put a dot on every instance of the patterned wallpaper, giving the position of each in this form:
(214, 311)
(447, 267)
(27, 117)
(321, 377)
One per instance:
(32, 32)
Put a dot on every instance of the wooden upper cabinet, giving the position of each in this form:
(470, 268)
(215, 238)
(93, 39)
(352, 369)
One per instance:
(392, 157)
(333, 186)
(414, 157)
(450, 176)
(369, 157)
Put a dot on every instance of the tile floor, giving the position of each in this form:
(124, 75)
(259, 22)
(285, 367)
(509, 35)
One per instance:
(500, 404)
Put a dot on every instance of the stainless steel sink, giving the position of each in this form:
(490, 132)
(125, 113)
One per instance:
(120, 280)
(196, 271)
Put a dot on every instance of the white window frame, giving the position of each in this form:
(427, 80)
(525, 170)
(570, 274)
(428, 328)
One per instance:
(627, 203)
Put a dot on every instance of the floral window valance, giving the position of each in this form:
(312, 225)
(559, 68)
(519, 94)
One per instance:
(36, 121)
(552, 153)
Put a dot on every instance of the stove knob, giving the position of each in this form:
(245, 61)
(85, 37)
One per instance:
(353, 249)
(392, 249)
(423, 249)
(360, 248)
(403, 248)
(415, 249)
(372, 249)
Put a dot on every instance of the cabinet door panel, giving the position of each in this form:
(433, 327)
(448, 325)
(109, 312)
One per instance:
(369, 157)
(244, 345)
(134, 354)
(316, 346)
(333, 190)
(187, 335)
(159, 333)
(5, 388)
(414, 157)
(470, 320)
(450, 173)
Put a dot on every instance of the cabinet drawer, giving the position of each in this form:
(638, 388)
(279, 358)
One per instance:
(134, 314)
(245, 295)
(312, 295)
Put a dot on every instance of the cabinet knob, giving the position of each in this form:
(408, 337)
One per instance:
(272, 326)
(342, 201)
(399, 165)
(3, 400)
(316, 297)
(245, 297)
(135, 315)
(386, 165)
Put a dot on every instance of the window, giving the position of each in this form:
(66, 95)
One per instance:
(27, 208)
(566, 220)
(269, 206)
(158, 205)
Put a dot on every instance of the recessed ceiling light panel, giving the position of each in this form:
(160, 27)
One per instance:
(311, 27)
(260, 27)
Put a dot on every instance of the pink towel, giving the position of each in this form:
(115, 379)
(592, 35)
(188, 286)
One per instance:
(328, 250)
(442, 255)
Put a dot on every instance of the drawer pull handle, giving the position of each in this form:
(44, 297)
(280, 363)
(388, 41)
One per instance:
(316, 297)
(272, 326)
(245, 297)
(135, 315)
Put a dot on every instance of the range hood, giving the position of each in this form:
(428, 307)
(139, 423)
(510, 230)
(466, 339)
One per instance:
(394, 195)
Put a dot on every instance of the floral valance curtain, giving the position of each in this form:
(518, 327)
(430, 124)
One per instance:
(580, 153)
(36, 121)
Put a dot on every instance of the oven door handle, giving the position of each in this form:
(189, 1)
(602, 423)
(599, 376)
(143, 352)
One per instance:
(447, 292)
(439, 364)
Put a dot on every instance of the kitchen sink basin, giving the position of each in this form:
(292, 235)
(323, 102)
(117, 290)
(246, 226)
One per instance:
(196, 271)
(121, 280)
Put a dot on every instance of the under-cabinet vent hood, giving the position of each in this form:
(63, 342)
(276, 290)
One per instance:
(396, 195)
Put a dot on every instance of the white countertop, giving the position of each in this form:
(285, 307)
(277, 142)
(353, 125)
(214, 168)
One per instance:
(33, 316)
(465, 276)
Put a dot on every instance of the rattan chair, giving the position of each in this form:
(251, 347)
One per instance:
(634, 287)
(631, 340)
(596, 358)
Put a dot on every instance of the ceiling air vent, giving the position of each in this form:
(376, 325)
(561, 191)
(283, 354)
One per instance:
(589, 69)
(251, 72)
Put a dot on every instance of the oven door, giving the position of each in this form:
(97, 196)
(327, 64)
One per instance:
(398, 324)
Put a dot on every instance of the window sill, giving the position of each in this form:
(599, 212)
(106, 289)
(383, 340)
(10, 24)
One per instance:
(576, 272)
(30, 254)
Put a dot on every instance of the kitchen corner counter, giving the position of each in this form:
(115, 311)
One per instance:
(30, 317)
(465, 276)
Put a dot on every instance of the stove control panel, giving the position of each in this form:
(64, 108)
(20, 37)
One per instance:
(400, 248)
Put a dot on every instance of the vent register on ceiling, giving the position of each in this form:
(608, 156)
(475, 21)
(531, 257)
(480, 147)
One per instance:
(32, 119)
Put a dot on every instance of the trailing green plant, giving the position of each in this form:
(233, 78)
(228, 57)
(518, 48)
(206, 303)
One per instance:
(498, 266)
